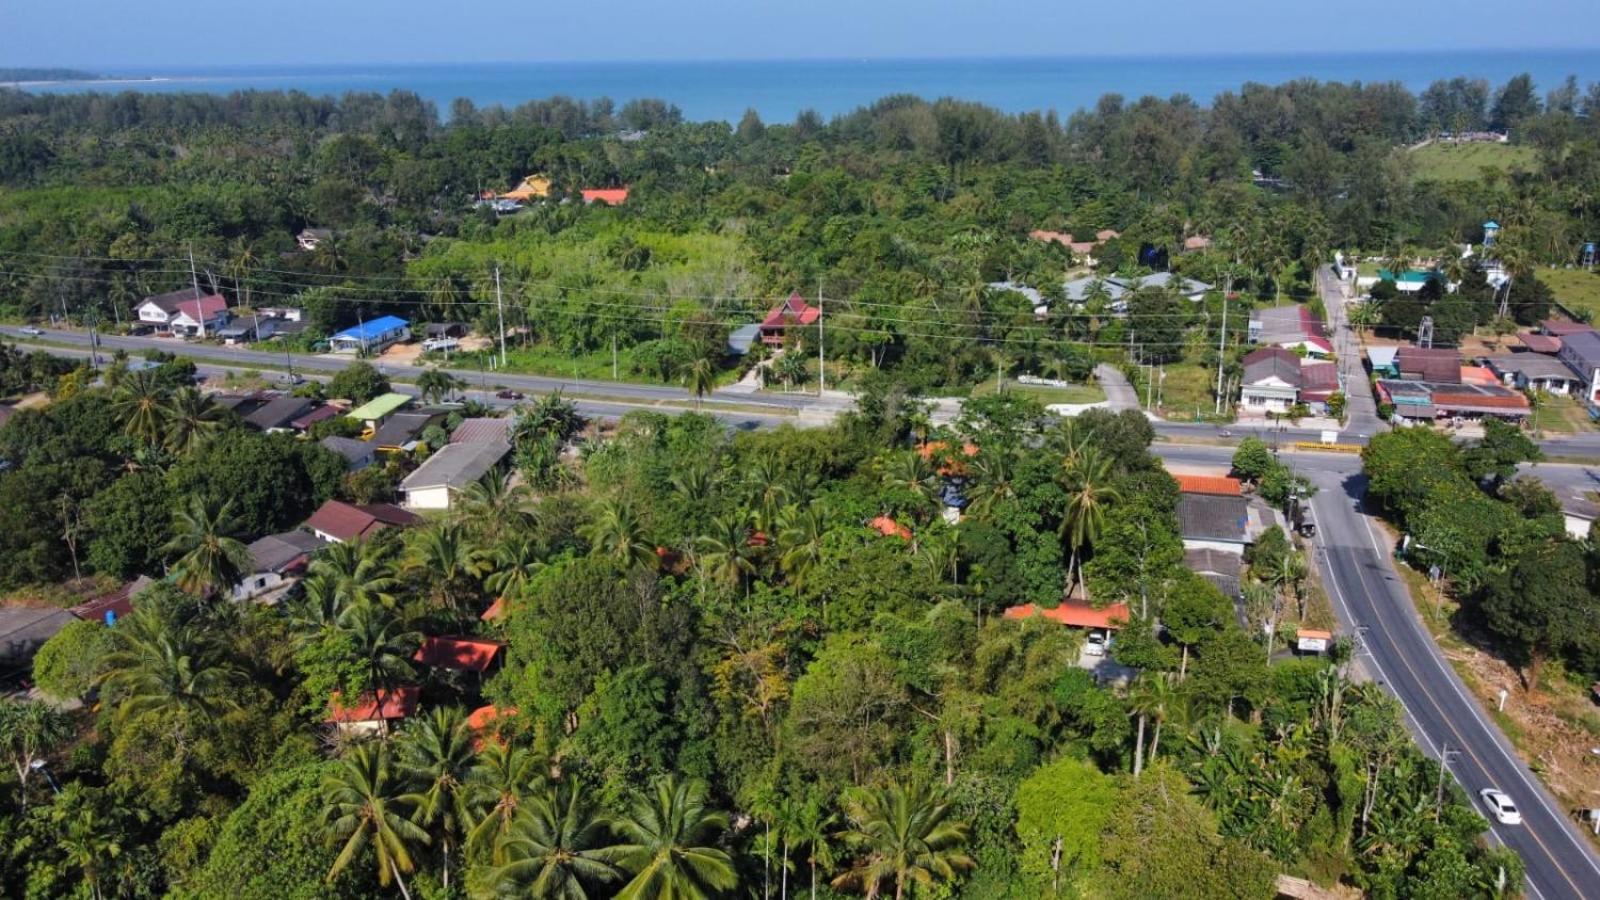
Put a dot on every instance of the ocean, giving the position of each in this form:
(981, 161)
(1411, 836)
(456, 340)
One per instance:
(778, 90)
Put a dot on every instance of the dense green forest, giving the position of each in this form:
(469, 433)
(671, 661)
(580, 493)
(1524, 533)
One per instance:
(718, 680)
(899, 213)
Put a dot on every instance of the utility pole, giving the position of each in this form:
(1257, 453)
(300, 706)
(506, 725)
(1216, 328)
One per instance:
(822, 363)
(194, 282)
(500, 311)
(1438, 792)
(1222, 344)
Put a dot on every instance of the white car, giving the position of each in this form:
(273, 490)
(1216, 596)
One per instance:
(30, 330)
(1500, 806)
(1096, 645)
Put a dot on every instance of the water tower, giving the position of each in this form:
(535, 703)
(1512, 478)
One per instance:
(1491, 229)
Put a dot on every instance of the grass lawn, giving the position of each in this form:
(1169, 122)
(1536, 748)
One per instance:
(1072, 393)
(1577, 289)
(1188, 388)
(1564, 415)
(1465, 162)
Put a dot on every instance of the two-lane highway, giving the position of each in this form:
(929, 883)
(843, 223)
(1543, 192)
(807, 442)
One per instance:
(1370, 598)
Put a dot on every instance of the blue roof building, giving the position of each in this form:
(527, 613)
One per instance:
(370, 336)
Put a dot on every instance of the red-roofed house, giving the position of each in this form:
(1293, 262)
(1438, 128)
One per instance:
(373, 711)
(1547, 344)
(185, 311)
(462, 654)
(1074, 613)
(1208, 484)
(794, 312)
(108, 608)
(608, 196)
(1318, 382)
(889, 528)
(341, 522)
(1435, 365)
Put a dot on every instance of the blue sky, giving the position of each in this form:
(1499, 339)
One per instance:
(153, 34)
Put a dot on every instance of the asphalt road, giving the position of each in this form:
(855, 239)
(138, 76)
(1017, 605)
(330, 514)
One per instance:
(1396, 649)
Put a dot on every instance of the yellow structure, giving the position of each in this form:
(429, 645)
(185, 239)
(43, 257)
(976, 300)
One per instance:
(534, 187)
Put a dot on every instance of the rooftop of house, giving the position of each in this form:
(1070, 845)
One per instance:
(351, 449)
(1268, 363)
(118, 602)
(400, 429)
(608, 196)
(793, 311)
(456, 466)
(460, 653)
(278, 412)
(1533, 366)
(1433, 364)
(1208, 484)
(372, 329)
(1284, 323)
(1562, 328)
(1540, 343)
(350, 522)
(1076, 613)
(23, 629)
(1318, 378)
(280, 553)
(1382, 357)
(482, 428)
(301, 423)
(1210, 517)
(370, 706)
(1583, 346)
(379, 406)
(889, 528)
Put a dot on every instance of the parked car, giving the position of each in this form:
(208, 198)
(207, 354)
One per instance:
(509, 394)
(29, 329)
(1500, 806)
(291, 378)
(1096, 645)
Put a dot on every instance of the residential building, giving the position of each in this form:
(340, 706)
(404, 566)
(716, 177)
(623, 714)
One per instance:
(1433, 365)
(277, 414)
(462, 654)
(1218, 485)
(310, 239)
(185, 312)
(339, 522)
(1074, 614)
(1422, 401)
(445, 330)
(1561, 328)
(1041, 307)
(110, 607)
(276, 562)
(372, 336)
(1382, 361)
(1319, 381)
(1271, 381)
(400, 431)
(1535, 371)
(1408, 282)
(533, 187)
(605, 196)
(313, 416)
(1581, 352)
(23, 630)
(376, 411)
(1212, 522)
(1534, 342)
(794, 312)
(372, 711)
(1220, 567)
(357, 454)
(1115, 288)
(1288, 326)
(479, 429)
(449, 471)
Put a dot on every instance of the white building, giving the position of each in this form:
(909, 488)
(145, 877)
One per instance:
(185, 311)
(449, 471)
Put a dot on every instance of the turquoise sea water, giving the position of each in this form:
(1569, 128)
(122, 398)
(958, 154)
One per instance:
(780, 89)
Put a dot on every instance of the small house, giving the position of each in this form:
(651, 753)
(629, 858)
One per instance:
(452, 469)
(1435, 365)
(1535, 372)
(1214, 522)
(277, 414)
(184, 312)
(1310, 640)
(400, 431)
(1217, 485)
(1581, 353)
(481, 429)
(318, 414)
(309, 239)
(110, 607)
(372, 336)
(276, 562)
(23, 630)
(605, 196)
(339, 522)
(794, 312)
(1271, 381)
(461, 654)
(376, 411)
(357, 454)
(1382, 361)
(373, 711)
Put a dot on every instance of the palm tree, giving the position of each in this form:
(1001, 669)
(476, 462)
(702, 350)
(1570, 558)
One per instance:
(907, 836)
(191, 419)
(362, 806)
(495, 502)
(1363, 315)
(808, 828)
(380, 646)
(84, 836)
(436, 755)
(618, 532)
(319, 608)
(556, 848)
(906, 470)
(513, 562)
(993, 482)
(1089, 491)
(496, 788)
(359, 572)
(1152, 698)
(701, 379)
(140, 404)
(156, 668)
(800, 533)
(435, 384)
(665, 844)
(449, 563)
(726, 551)
(209, 557)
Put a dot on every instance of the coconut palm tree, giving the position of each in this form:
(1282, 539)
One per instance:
(907, 471)
(800, 533)
(701, 380)
(665, 844)
(726, 552)
(359, 572)
(85, 836)
(503, 777)
(993, 483)
(140, 404)
(809, 829)
(319, 608)
(1089, 491)
(556, 848)
(209, 557)
(447, 560)
(191, 420)
(362, 807)
(618, 532)
(905, 835)
(435, 384)
(380, 646)
(436, 756)
(497, 502)
(1152, 698)
(512, 564)
(157, 668)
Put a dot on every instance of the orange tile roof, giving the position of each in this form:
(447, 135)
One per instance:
(396, 704)
(608, 196)
(928, 449)
(889, 528)
(1314, 633)
(485, 716)
(1208, 484)
(1075, 613)
(466, 654)
(1477, 375)
(495, 610)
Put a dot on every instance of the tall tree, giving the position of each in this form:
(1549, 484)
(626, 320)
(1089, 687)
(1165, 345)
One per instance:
(362, 807)
(210, 558)
(436, 757)
(556, 847)
(905, 835)
(666, 844)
